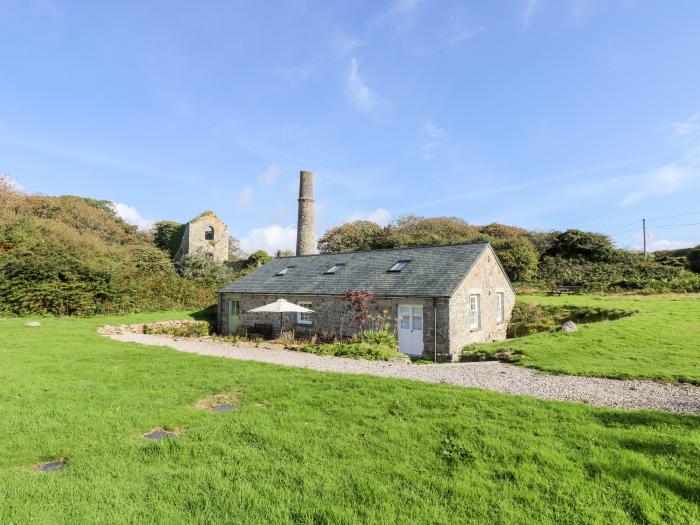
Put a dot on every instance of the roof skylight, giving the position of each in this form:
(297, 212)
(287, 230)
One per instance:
(285, 270)
(400, 265)
(334, 269)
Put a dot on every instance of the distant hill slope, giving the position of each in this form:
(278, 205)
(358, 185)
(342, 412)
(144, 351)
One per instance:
(73, 256)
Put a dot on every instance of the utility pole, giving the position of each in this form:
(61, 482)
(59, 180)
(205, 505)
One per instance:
(644, 233)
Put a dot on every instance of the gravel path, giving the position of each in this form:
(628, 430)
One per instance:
(499, 377)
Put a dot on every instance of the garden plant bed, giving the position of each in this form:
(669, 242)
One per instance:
(376, 345)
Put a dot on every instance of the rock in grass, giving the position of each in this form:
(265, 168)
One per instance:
(32, 324)
(51, 466)
(569, 327)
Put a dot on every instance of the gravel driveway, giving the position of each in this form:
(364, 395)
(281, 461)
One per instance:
(499, 377)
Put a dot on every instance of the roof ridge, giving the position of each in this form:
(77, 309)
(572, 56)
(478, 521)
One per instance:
(388, 249)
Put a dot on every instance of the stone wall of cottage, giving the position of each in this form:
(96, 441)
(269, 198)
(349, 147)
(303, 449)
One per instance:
(486, 280)
(332, 315)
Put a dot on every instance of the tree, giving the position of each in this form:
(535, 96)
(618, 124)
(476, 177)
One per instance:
(257, 259)
(202, 268)
(411, 230)
(518, 256)
(235, 253)
(542, 240)
(500, 231)
(580, 244)
(694, 259)
(167, 235)
(350, 237)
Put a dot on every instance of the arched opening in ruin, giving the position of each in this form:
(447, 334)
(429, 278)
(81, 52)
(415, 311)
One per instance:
(209, 233)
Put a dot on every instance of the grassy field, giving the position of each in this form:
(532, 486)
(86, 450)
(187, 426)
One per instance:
(308, 447)
(661, 341)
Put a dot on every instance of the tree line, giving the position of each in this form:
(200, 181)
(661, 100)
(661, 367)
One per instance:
(536, 258)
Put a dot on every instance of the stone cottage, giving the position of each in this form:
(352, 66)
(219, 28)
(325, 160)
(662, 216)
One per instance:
(437, 299)
(205, 232)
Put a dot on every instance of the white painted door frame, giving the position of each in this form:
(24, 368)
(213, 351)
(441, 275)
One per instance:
(410, 329)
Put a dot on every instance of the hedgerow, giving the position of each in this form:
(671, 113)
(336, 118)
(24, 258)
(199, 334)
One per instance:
(74, 256)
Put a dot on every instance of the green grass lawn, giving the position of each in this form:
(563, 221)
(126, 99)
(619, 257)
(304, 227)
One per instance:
(309, 447)
(661, 341)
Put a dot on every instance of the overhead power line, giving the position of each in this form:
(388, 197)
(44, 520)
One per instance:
(614, 230)
(677, 225)
(674, 216)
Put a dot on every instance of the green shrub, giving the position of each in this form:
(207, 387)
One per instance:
(530, 318)
(628, 274)
(74, 256)
(350, 237)
(694, 259)
(190, 329)
(379, 337)
(576, 243)
(167, 236)
(202, 268)
(518, 256)
(257, 259)
(354, 350)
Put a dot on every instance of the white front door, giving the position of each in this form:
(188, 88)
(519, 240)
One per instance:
(411, 329)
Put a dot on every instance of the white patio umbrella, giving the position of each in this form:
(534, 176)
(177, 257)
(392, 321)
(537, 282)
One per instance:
(281, 306)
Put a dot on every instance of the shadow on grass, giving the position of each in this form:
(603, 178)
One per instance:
(208, 314)
(645, 418)
(685, 489)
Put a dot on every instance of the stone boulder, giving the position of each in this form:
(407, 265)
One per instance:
(569, 327)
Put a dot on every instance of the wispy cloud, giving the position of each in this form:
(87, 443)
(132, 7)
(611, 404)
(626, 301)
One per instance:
(269, 177)
(40, 8)
(688, 126)
(343, 44)
(381, 216)
(655, 243)
(662, 181)
(131, 215)
(433, 131)
(298, 74)
(245, 198)
(580, 9)
(460, 35)
(360, 94)
(400, 15)
(498, 189)
(460, 29)
(271, 238)
(433, 134)
(529, 9)
(229, 130)
(97, 158)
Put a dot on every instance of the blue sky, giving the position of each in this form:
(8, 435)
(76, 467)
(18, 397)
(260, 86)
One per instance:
(546, 114)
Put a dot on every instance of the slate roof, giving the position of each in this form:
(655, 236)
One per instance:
(433, 271)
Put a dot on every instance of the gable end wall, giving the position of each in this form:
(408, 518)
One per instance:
(193, 238)
(486, 279)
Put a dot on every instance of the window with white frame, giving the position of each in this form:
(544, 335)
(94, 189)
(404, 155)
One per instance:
(304, 318)
(474, 313)
(499, 307)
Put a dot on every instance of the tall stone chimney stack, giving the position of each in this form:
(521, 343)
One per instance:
(306, 225)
